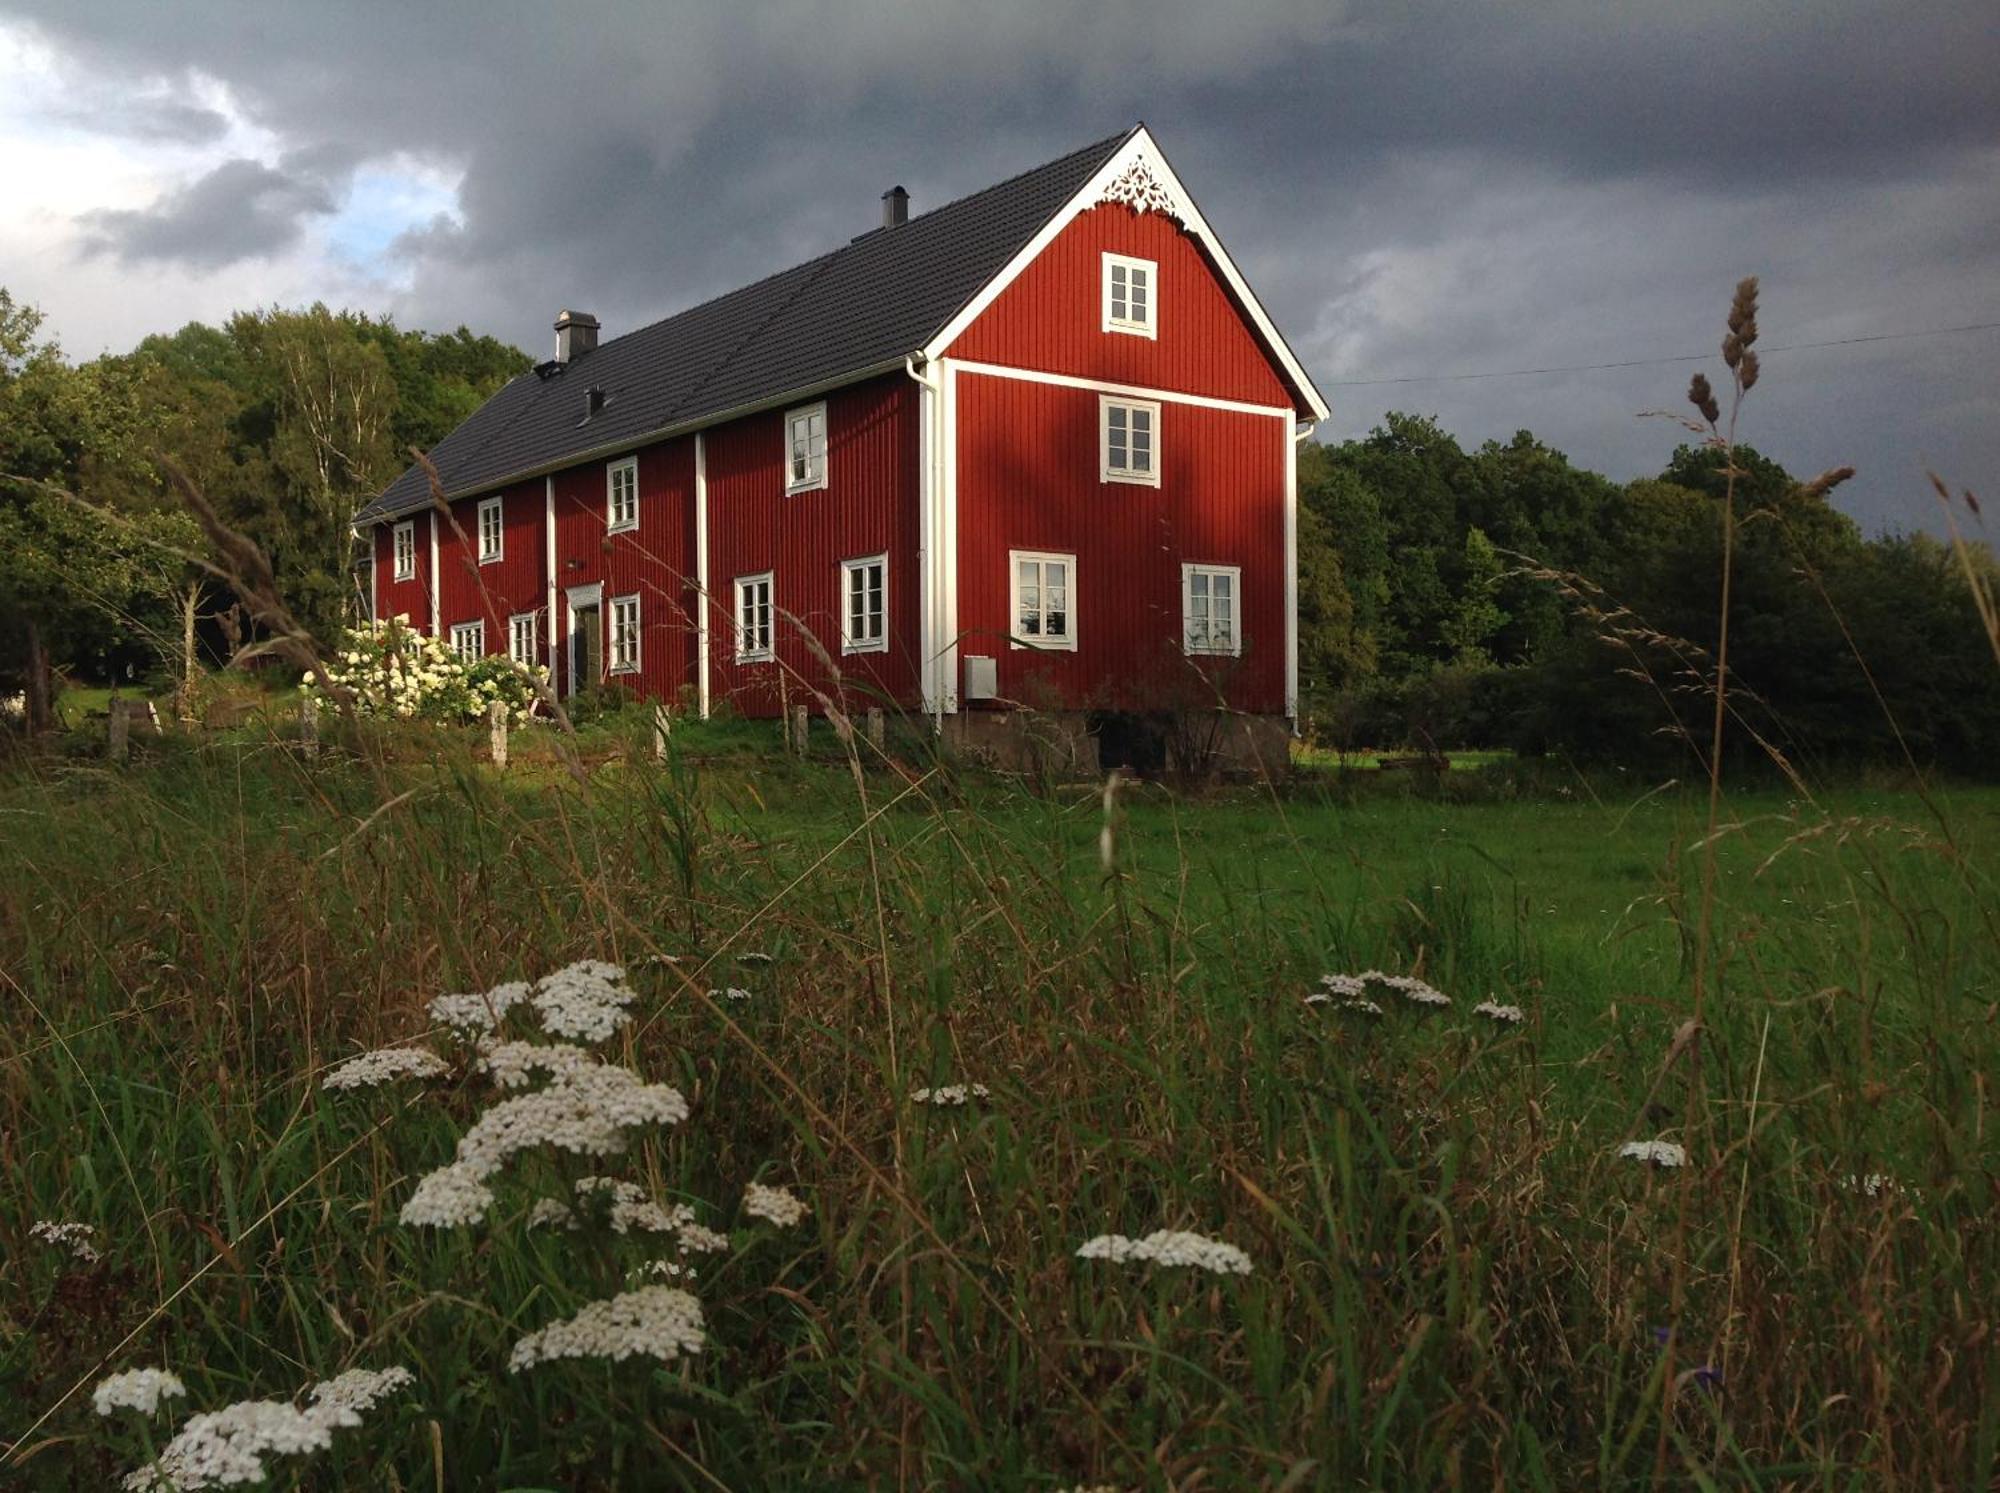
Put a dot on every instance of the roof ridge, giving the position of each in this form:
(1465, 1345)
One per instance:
(839, 249)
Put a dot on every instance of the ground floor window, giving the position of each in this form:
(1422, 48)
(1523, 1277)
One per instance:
(1042, 598)
(864, 588)
(524, 638)
(468, 640)
(624, 634)
(1211, 597)
(753, 618)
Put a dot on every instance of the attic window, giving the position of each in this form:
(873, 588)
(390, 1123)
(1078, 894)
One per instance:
(805, 446)
(1128, 295)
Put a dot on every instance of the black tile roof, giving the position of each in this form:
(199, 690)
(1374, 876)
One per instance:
(858, 308)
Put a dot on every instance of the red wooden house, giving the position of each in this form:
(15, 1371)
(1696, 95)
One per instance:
(1032, 450)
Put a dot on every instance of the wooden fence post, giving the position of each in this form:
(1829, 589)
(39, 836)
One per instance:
(120, 731)
(662, 728)
(496, 726)
(876, 734)
(309, 726)
(799, 729)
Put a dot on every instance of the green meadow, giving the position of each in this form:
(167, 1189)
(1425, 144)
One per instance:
(1455, 1280)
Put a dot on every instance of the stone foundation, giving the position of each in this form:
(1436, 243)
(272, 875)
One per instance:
(1087, 744)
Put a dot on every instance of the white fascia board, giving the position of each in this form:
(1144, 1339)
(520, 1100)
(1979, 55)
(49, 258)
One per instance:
(1140, 147)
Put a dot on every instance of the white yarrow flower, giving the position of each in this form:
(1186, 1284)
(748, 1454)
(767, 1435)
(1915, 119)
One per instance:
(513, 1065)
(953, 1096)
(1655, 1152)
(74, 1237)
(480, 1012)
(137, 1389)
(586, 1000)
(654, 1321)
(773, 1204)
(731, 993)
(358, 1391)
(1510, 1015)
(383, 1065)
(452, 1197)
(1168, 1247)
(226, 1447)
(694, 1238)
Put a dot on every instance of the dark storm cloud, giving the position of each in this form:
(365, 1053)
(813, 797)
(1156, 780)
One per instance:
(240, 210)
(1415, 188)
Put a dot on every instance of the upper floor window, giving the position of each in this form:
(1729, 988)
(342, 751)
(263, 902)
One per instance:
(625, 634)
(621, 495)
(468, 641)
(1128, 295)
(864, 588)
(524, 640)
(1211, 598)
(753, 618)
(1042, 586)
(406, 550)
(492, 530)
(805, 448)
(1129, 446)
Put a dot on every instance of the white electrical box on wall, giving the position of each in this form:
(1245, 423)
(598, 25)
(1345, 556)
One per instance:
(982, 677)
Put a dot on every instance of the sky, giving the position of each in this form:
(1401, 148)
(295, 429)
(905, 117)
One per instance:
(1415, 189)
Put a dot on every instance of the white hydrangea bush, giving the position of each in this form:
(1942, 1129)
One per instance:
(388, 668)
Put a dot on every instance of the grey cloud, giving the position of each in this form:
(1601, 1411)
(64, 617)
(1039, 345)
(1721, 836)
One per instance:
(240, 210)
(1415, 188)
(163, 119)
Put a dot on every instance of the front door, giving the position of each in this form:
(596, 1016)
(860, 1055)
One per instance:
(586, 641)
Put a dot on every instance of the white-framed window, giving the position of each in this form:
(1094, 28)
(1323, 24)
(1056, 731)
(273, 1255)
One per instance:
(621, 495)
(864, 610)
(625, 634)
(1129, 440)
(1212, 609)
(468, 641)
(805, 448)
(405, 541)
(1130, 295)
(492, 530)
(1043, 592)
(753, 618)
(524, 638)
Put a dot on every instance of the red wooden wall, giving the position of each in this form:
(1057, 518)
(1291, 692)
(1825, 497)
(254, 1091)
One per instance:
(1051, 317)
(868, 507)
(1028, 480)
(411, 598)
(471, 592)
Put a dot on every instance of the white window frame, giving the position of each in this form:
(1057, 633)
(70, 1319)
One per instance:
(531, 623)
(1235, 575)
(1042, 643)
(1133, 326)
(815, 476)
(851, 572)
(1106, 472)
(624, 467)
(403, 550)
(767, 650)
(473, 633)
(497, 507)
(623, 629)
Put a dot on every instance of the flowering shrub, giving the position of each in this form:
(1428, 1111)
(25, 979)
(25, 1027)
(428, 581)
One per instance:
(388, 668)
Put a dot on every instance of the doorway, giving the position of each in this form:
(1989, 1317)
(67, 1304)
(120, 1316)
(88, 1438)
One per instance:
(586, 637)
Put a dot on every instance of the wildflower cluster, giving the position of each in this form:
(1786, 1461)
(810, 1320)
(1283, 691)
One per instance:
(222, 1448)
(953, 1096)
(137, 1389)
(1663, 1153)
(1351, 991)
(1507, 1015)
(74, 1237)
(654, 1321)
(388, 668)
(585, 1000)
(1169, 1247)
(626, 1208)
(384, 1064)
(773, 1204)
(481, 1011)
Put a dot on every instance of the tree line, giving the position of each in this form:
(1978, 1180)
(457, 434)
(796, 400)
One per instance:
(1499, 597)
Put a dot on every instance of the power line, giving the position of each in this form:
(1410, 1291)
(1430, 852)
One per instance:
(1790, 347)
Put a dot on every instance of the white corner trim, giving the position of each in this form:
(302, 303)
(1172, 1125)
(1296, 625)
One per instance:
(1288, 454)
(1139, 149)
(434, 572)
(930, 530)
(702, 601)
(1127, 391)
(948, 671)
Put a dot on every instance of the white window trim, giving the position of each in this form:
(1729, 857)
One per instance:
(1150, 327)
(765, 654)
(486, 506)
(1067, 643)
(473, 630)
(803, 412)
(1235, 574)
(406, 529)
(848, 570)
(612, 666)
(534, 621)
(1105, 404)
(611, 471)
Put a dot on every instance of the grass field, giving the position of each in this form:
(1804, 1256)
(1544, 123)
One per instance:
(1455, 1280)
